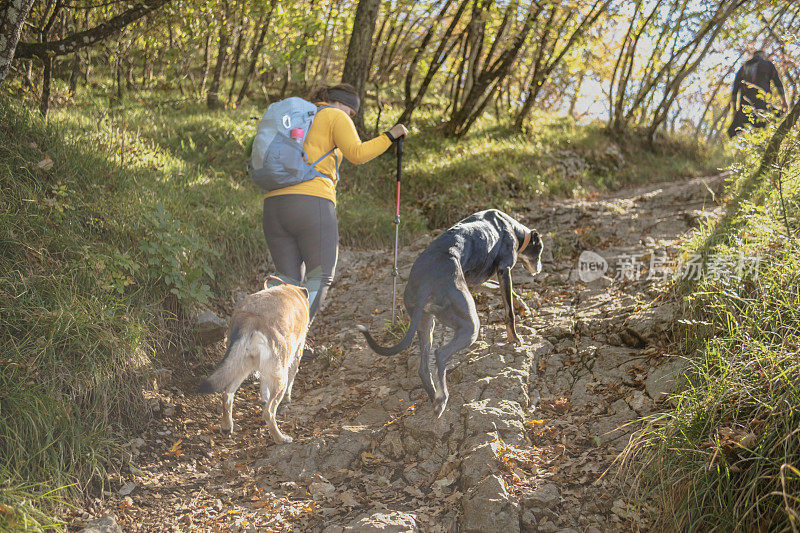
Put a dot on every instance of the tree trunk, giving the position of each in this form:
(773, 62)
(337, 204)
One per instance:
(399, 47)
(129, 82)
(543, 71)
(463, 117)
(286, 80)
(44, 103)
(75, 74)
(47, 71)
(254, 53)
(118, 75)
(420, 50)
(12, 17)
(774, 145)
(537, 77)
(323, 64)
(713, 27)
(379, 38)
(236, 55)
(439, 58)
(358, 52)
(623, 66)
(306, 53)
(145, 63)
(710, 102)
(479, 111)
(715, 130)
(576, 93)
(379, 104)
(206, 63)
(87, 67)
(475, 33)
(212, 99)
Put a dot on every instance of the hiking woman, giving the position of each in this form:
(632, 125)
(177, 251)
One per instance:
(299, 221)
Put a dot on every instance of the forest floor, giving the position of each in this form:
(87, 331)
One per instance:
(531, 433)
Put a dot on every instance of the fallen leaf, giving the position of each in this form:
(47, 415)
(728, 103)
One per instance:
(748, 441)
(370, 460)
(45, 164)
(260, 504)
(348, 500)
(176, 448)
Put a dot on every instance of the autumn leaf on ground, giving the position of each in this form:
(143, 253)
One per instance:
(176, 448)
(371, 460)
(45, 164)
(259, 504)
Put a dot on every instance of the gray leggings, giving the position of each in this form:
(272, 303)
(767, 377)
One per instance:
(303, 239)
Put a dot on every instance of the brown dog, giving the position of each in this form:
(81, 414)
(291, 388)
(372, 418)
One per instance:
(266, 335)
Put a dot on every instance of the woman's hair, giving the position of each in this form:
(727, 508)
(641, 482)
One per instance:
(321, 94)
(342, 93)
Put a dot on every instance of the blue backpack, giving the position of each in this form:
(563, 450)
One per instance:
(277, 159)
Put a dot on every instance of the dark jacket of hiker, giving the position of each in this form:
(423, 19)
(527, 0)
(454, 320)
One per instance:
(752, 84)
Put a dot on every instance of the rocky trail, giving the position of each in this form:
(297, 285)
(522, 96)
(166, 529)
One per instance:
(529, 430)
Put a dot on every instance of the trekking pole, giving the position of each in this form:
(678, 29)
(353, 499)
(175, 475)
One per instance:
(396, 229)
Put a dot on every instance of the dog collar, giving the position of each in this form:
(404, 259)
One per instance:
(525, 242)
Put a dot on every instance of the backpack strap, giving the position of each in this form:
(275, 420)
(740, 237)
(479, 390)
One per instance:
(326, 154)
(336, 164)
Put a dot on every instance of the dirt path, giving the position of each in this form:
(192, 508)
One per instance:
(528, 430)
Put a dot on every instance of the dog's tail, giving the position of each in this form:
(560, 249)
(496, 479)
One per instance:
(231, 365)
(405, 342)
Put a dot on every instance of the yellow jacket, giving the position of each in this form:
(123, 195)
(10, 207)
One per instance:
(332, 127)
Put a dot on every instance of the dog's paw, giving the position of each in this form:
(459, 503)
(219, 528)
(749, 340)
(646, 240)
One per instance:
(283, 439)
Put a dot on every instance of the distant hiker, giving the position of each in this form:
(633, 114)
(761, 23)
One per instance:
(299, 221)
(750, 89)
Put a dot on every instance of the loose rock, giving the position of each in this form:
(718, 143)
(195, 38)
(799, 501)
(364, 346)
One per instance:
(210, 327)
(488, 507)
(106, 524)
(384, 522)
(662, 379)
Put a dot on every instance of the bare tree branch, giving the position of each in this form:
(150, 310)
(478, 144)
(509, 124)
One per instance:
(88, 37)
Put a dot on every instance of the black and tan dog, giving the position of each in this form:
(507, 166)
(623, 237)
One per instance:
(485, 244)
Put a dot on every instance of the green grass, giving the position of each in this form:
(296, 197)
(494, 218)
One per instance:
(147, 210)
(24, 506)
(96, 256)
(726, 454)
